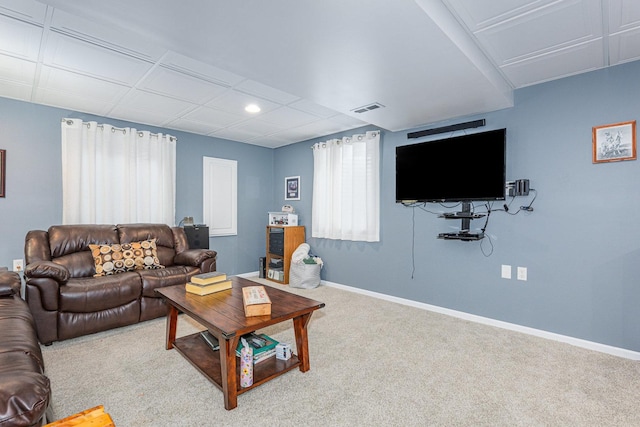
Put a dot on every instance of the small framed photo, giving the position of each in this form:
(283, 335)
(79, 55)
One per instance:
(3, 165)
(292, 188)
(615, 142)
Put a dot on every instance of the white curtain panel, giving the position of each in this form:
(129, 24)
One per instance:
(346, 188)
(116, 175)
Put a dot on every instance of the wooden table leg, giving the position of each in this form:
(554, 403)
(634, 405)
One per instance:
(228, 371)
(302, 341)
(172, 322)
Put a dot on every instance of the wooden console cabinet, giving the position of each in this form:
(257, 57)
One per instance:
(282, 241)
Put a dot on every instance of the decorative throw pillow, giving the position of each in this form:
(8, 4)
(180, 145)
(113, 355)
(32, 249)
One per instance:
(118, 258)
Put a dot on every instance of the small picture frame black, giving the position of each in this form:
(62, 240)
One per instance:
(292, 188)
(3, 167)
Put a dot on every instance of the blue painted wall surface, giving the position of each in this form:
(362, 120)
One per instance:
(31, 136)
(581, 244)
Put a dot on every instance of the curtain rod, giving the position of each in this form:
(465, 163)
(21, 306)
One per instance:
(113, 129)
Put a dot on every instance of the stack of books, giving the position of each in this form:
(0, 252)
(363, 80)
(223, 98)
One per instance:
(264, 347)
(208, 283)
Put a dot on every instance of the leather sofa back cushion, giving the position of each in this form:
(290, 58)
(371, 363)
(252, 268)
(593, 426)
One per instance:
(69, 239)
(165, 241)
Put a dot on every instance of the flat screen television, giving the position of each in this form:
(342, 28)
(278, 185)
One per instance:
(459, 169)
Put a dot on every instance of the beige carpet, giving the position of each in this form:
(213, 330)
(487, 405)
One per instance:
(373, 362)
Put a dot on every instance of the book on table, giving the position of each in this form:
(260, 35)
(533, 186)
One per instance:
(208, 278)
(263, 346)
(256, 301)
(208, 289)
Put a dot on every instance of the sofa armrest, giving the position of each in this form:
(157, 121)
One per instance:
(24, 398)
(10, 283)
(194, 257)
(47, 270)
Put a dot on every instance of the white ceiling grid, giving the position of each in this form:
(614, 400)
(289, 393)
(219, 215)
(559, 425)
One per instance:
(423, 60)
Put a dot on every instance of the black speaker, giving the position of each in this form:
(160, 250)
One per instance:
(197, 236)
(263, 267)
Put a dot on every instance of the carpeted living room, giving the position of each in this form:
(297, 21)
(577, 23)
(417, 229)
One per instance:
(437, 196)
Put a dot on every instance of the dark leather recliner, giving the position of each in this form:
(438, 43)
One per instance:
(66, 299)
(25, 391)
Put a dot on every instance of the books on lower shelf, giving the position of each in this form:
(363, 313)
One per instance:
(208, 289)
(208, 278)
(211, 341)
(264, 347)
(256, 301)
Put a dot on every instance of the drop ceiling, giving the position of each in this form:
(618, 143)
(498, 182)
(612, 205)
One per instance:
(314, 68)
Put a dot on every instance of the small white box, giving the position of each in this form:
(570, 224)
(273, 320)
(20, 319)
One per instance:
(283, 351)
(283, 218)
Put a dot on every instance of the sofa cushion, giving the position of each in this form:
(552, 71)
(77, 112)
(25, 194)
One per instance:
(92, 294)
(120, 258)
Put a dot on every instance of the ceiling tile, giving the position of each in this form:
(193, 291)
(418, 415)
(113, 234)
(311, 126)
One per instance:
(14, 90)
(567, 62)
(81, 57)
(624, 47)
(288, 117)
(312, 108)
(19, 39)
(543, 30)
(125, 41)
(214, 117)
(255, 88)
(17, 70)
(624, 15)
(179, 85)
(192, 126)
(176, 61)
(54, 79)
(71, 101)
(160, 106)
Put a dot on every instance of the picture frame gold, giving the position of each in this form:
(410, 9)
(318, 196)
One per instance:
(3, 164)
(615, 142)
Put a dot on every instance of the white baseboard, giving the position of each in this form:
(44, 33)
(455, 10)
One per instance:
(590, 345)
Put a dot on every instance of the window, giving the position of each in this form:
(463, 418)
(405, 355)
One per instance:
(116, 175)
(346, 188)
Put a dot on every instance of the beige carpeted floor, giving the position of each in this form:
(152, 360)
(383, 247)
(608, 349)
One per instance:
(373, 362)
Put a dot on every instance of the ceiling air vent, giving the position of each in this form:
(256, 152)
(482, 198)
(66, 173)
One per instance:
(369, 107)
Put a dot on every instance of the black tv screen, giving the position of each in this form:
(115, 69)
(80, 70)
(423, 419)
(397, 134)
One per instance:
(458, 169)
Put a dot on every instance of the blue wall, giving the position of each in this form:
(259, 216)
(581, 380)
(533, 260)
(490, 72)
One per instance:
(31, 136)
(580, 244)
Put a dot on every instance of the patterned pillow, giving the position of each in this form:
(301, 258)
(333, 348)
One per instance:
(118, 258)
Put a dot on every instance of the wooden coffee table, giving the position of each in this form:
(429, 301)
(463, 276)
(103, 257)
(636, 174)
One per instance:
(222, 313)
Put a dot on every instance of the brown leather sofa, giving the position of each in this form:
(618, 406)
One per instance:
(25, 391)
(66, 299)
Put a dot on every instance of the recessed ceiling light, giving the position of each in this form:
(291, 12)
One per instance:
(252, 108)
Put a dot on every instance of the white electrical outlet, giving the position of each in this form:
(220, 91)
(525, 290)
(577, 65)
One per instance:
(522, 273)
(18, 265)
(506, 271)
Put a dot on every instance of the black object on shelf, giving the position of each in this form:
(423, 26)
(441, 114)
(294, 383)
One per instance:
(197, 236)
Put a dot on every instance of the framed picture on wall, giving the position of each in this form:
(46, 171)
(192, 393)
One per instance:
(615, 142)
(3, 164)
(292, 188)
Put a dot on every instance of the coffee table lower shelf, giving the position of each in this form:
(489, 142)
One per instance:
(207, 361)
